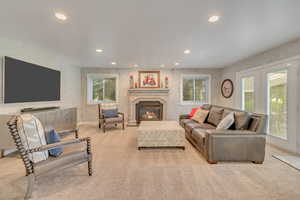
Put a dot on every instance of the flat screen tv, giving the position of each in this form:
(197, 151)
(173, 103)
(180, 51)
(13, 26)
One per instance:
(26, 82)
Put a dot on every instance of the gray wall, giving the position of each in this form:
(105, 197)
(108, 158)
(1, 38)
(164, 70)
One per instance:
(285, 51)
(70, 79)
(89, 112)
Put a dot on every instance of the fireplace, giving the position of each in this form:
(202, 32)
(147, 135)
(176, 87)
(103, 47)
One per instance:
(149, 111)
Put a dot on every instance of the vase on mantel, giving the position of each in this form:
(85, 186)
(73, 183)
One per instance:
(166, 82)
(131, 82)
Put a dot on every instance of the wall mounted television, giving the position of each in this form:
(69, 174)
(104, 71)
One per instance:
(26, 82)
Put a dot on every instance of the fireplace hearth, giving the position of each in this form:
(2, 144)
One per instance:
(149, 111)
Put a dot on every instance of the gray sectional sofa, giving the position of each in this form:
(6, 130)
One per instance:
(243, 141)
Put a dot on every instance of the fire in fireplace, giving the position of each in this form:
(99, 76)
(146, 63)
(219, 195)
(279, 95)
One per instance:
(149, 111)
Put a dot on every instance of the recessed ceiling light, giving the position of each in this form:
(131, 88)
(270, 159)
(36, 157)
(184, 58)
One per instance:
(187, 51)
(113, 63)
(214, 19)
(61, 16)
(176, 63)
(99, 50)
(162, 65)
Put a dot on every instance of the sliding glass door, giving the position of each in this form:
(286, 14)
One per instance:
(273, 89)
(277, 103)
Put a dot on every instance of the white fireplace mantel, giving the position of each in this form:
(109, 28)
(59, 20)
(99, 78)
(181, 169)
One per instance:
(137, 95)
(148, 91)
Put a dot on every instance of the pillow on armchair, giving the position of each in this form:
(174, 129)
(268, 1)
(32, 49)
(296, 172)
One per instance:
(53, 137)
(110, 113)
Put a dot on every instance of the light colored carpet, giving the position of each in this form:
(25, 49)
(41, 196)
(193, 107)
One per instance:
(121, 172)
(293, 161)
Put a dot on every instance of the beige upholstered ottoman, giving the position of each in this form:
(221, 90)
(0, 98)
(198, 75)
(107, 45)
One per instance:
(160, 134)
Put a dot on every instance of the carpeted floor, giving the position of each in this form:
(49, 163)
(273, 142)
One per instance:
(121, 172)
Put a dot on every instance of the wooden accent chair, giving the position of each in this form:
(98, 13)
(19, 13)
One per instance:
(30, 151)
(105, 121)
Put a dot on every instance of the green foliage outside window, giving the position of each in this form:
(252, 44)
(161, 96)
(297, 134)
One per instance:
(194, 89)
(104, 89)
(278, 104)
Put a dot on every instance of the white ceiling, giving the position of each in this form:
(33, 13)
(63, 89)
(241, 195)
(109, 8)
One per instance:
(152, 32)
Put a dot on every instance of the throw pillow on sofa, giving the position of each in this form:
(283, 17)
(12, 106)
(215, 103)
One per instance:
(215, 116)
(200, 115)
(226, 122)
(241, 120)
(192, 113)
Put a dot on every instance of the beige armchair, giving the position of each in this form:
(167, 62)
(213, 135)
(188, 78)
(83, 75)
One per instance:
(27, 131)
(103, 122)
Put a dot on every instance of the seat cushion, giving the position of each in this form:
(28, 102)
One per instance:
(215, 116)
(183, 122)
(65, 160)
(241, 120)
(198, 134)
(113, 120)
(190, 126)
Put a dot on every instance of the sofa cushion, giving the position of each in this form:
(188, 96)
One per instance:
(190, 126)
(226, 122)
(200, 115)
(198, 134)
(241, 120)
(183, 122)
(215, 116)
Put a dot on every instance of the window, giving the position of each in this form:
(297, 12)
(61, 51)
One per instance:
(195, 89)
(248, 94)
(277, 103)
(102, 88)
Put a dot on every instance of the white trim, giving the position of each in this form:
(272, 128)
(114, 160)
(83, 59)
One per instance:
(90, 78)
(195, 76)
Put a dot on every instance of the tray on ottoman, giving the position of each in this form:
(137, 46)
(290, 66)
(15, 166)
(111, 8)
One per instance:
(160, 134)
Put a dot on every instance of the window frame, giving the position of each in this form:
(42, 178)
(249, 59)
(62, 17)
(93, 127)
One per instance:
(208, 89)
(242, 94)
(91, 77)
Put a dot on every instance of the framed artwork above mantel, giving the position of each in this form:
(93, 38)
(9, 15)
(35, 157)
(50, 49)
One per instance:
(149, 79)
